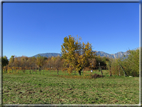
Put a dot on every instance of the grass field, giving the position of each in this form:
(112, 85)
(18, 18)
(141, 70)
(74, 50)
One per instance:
(50, 88)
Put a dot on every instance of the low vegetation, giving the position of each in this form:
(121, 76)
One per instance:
(50, 88)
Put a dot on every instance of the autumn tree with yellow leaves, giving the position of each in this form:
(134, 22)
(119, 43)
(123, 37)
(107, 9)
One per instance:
(76, 54)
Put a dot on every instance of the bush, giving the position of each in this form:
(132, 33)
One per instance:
(128, 64)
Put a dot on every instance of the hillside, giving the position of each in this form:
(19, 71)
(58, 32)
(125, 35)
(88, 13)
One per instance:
(101, 53)
(116, 55)
(48, 54)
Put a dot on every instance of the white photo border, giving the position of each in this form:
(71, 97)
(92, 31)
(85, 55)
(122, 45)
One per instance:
(73, 1)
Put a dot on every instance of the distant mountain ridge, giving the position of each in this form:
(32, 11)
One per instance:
(116, 55)
(48, 54)
(101, 53)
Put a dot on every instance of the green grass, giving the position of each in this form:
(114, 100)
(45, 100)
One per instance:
(50, 88)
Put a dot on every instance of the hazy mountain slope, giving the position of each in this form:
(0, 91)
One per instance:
(101, 53)
(48, 54)
(116, 55)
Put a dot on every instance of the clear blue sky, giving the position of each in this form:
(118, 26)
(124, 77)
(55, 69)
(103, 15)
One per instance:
(32, 28)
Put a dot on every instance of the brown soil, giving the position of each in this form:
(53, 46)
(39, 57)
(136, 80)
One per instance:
(96, 76)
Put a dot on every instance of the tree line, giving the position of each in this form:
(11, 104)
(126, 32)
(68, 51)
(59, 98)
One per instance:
(76, 56)
(43, 63)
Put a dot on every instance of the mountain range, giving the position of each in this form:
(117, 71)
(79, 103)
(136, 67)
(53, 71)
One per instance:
(116, 55)
(101, 53)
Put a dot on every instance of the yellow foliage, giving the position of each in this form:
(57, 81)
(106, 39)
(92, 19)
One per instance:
(70, 52)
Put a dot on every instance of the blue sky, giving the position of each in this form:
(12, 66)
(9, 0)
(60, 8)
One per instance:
(32, 28)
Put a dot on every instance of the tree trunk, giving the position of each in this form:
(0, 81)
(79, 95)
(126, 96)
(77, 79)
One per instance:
(101, 71)
(57, 71)
(125, 74)
(110, 74)
(6, 70)
(119, 70)
(83, 71)
(79, 72)
(39, 70)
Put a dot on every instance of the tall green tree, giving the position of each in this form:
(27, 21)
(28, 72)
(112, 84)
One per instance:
(76, 54)
(133, 62)
(127, 65)
(109, 65)
(4, 61)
